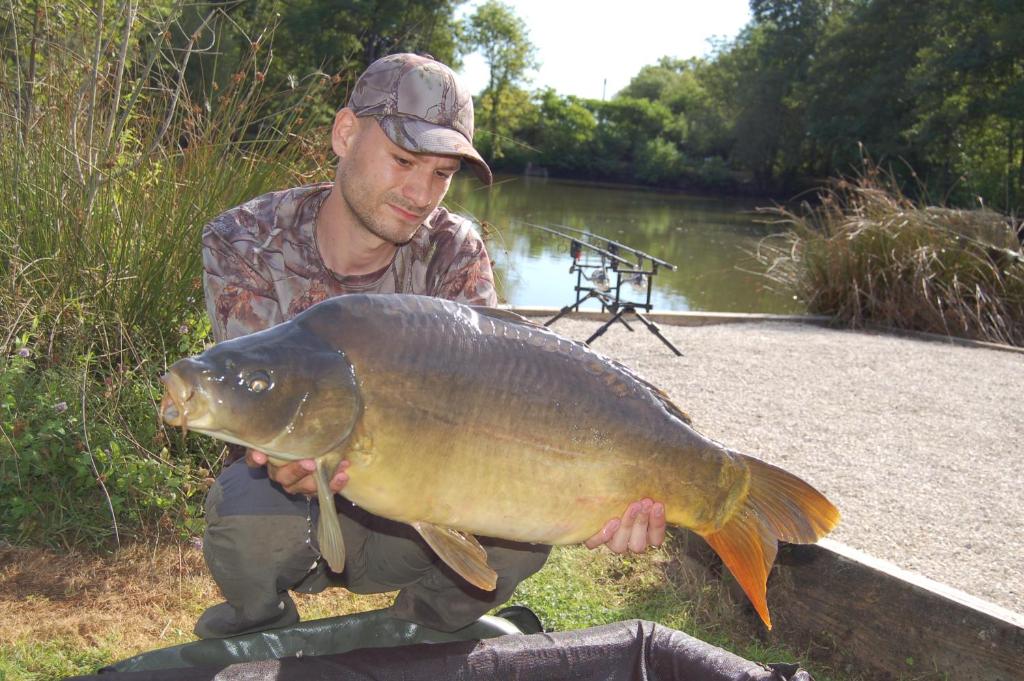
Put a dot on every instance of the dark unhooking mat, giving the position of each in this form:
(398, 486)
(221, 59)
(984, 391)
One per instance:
(631, 650)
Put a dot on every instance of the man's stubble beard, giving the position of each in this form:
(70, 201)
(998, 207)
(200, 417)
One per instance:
(361, 203)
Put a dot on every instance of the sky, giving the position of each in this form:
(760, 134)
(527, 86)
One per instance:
(581, 44)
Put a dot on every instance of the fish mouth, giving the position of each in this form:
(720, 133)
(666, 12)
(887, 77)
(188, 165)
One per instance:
(178, 405)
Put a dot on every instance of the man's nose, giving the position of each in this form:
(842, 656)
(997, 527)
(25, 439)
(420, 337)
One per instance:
(418, 188)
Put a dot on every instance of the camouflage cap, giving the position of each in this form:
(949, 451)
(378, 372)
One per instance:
(421, 107)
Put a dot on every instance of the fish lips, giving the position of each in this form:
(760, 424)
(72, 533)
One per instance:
(172, 407)
(183, 405)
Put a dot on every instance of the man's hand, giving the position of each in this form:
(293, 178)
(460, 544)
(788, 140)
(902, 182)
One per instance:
(296, 476)
(641, 526)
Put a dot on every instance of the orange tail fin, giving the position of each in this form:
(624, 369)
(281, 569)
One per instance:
(779, 505)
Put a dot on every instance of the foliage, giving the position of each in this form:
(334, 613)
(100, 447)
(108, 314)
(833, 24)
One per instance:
(970, 104)
(936, 84)
(508, 110)
(114, 165)
(866, 254)
(504, 41)
(860, 82)
(798, 95)
(336, 38)
(682, 86)
(621, 140)
(658, 162)
(55, 432)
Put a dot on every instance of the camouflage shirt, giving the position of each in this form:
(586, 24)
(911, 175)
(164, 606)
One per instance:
(262, 265)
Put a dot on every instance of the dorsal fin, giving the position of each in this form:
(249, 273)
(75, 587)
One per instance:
(516, 318)
(507, 316)
(658, 393)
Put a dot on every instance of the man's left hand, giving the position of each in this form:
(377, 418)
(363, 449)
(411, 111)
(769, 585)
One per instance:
(641, 526)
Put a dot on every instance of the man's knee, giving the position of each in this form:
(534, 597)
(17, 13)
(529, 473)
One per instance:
(443, 600)
(514, 562)
(257, 537)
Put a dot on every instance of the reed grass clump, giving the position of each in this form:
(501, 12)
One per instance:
(865, 254)
(118, 146)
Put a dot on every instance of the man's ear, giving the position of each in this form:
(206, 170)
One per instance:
(343, 132)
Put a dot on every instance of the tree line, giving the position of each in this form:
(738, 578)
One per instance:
(932, 89)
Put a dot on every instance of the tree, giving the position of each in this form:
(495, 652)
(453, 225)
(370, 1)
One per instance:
(565, 133)
(625, 126)
(969, 86)
(681, 85)
(860, 85)
(771, 126)
(339, 38)
(503, 40)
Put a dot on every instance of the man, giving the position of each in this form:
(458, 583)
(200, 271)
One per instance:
(377, 228)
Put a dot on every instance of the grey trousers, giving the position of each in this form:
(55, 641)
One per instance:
(260, 542)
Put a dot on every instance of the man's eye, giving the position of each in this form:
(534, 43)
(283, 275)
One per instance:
(402, 161)
(258, 381)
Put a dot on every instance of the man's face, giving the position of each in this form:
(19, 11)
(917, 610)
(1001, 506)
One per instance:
(388, 189)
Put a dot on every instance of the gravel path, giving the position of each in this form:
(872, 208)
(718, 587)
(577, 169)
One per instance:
(919, 443)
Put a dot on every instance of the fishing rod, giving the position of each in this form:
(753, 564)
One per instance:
(604, 253)
(600, 287)
(611, 242)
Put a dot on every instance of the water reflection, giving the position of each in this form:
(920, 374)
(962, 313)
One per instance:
(706, 238)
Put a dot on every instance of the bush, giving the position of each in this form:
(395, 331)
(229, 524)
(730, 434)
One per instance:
(713, 174)
(658, 162)
(113, 167)
(865, 254)
(81, 467)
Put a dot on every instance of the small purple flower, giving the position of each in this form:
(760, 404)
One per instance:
(183, 329)
(60, 407)
(197, 543)
(24, 352)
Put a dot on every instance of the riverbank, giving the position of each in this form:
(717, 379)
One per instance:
(916, 441)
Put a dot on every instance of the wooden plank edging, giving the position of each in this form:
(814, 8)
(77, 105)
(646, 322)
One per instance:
(843, 606)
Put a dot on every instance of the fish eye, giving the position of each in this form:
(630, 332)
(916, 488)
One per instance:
(258, 381)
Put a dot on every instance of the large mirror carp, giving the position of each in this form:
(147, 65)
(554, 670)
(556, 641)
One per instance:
(464, 421)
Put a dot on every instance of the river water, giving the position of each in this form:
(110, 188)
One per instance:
(707, 239)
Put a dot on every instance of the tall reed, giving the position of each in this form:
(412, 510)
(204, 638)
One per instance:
(111, 165)
(114, 166)
(866, 254)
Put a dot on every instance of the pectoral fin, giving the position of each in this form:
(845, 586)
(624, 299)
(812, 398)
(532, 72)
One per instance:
(462, 552)
(332, 545)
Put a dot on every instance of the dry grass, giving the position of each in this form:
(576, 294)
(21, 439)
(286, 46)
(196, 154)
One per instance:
(83, 610)
(67, 614)
(138, 598)
(866, 255)
(143, 594)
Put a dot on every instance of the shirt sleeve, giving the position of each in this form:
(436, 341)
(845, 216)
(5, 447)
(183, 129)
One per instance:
(468, 277)
(240, 297)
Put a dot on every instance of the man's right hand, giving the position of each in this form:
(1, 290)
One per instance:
(296, 476)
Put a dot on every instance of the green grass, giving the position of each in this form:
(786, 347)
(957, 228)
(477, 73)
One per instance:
(579, 588)
(45, 660)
